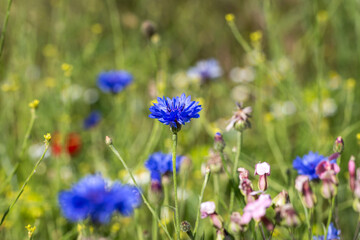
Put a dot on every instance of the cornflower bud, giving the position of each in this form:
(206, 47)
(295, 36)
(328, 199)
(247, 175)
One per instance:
(338, 145)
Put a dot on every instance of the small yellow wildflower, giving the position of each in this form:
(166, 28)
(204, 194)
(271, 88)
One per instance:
(96, 28)
(350, 83)
(269, 117)
(50, 50)
(322, 16)
(47, 137)
(115, 227)
(155, 39)
(229, 17)
(34, 104)
(80, 227)
(256, 36)
(31, 230)
(67, 68)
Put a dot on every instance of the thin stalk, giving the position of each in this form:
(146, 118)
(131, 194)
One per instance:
(3, 32)
(237, 157)
(330, 215)
(111, 146)
(217, 189)
(206, 180)
(177, 217)
(262, 231)
(25, 183)
(154, 235)
(357, 229)
(306, 217)
(272, 232)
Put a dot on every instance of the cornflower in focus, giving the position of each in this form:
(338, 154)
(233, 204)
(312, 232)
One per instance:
(205, 70)
(114, 81)
(176, 111)
(92, 197)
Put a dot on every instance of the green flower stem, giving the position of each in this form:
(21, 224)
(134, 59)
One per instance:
(25, 183)
(330, 214)
(217, 189)
(3, 32)
(262, 231)
(154, 235)
(237, 157)
(357, 229)
(308, 222)
(177, 218)
(206, 180)
(142, 195)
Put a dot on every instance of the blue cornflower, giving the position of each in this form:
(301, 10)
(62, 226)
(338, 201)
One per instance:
(93, 197)
(205, 70)
(333, 233)
(307, 164)
(114, 81)
(175, 112)
(92, 120)
(161, 163)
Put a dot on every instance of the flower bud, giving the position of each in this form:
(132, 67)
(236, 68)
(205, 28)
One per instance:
(148, 28)
(281, 199)
(262, 169)
(156, 193)
(185, 226)
(338, 145)
(108, 140)
(352, 170)
(219, 143)
(302, 184)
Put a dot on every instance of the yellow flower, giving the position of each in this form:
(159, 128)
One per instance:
(34, 104)
(80, 227)
(322, 16)
(96, 28)
(50, 50)
(229, 17)
(358, 137)
(269, 117)
(115, 227)
(350, 83)
(47, 137)
(256, 36)
(30, 229)
(155, 39)
(67, 68)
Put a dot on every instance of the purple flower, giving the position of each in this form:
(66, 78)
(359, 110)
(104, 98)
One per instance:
(92, 120)
(256, 209)
(205, 70)
(93, 197)
(175, 112)
(114, 81)
(160, 163)
(307, 164)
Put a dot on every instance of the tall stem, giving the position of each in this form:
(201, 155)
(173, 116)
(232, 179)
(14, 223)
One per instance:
(135, 183)
(154, 235)
(216, 189)
(177, 218)
(238, 152)
(25, 183)
(330, 215)
(3, 32)
(200, 200)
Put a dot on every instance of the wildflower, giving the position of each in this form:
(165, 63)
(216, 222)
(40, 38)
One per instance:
(302, 184)
(332, 234)
(67, 69)
(219, 143)
(256, 36)
(307, 164)
(352, 170)
(245, 184)
(31, 230)
(235, 222)
(281, 199)
(160, 164)
(338, 145)
(207, 209)
(34, 104)
(240, 120)
(114, 81)
(175, 112)
(229, 17)
(93, 197)
(288, 214)
(256, 209)
(148, 28)
(92, 120)
(205, 70)
(214, 162)
(263, 170)
(72, 144)
(47, 137)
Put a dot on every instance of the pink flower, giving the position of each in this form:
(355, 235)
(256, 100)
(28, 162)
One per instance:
(352, 171)
(235, 222)
(327, 173)
(245, 184)
(263, 170)
(325, 166)
(302, 184)
(256, 209)
(207, 208)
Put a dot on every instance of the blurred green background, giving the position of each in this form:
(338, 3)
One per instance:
(299, 73)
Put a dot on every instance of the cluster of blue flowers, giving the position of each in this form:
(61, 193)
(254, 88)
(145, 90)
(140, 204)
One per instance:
(333, 233)
(161, 163)
(205, 70)
(92, 197)
(114, 81)
(307, 164)
(175, 112)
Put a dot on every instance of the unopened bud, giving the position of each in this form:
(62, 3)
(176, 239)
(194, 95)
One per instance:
(108, 140)
(148, 28)
(352, 172)
(185, 226)
(219, 143)
(338, 145)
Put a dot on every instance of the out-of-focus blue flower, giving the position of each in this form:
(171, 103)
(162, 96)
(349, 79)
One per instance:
(307, 164)
(205, 70)
(93, 197)
(161, 163)
(333, 233)
(92, 120)
(175, 112)
(114, 81)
